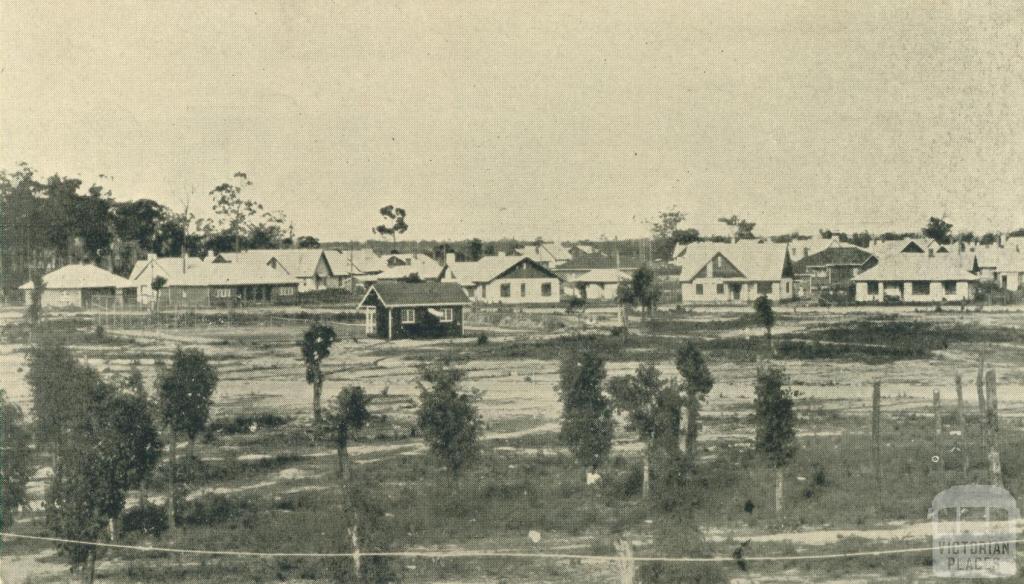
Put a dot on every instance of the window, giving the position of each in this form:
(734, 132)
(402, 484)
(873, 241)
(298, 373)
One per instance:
(221, 293)
(289, 291)
(408, 316)
(506, 290)
(447, 314)
(522, 289)
(919, 288)
(949, 287)
(720, 289)
(545, 289)
(764, 288)
(872, 287)
(787, 287)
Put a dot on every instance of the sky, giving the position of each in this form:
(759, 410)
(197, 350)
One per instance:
(565, 120)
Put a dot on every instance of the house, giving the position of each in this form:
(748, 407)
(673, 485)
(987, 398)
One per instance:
(916, 277)
(1010, 273)
(886, 248)
(309, 267)
(224, 283)
(599, 284)
(402, 266)
(147, 270)
(549, 254)
(507, 280)
(406, 310)
(831, 268)
(81, 285)
(350, 266)
(580, 265)
(802, 248)
(735, 272)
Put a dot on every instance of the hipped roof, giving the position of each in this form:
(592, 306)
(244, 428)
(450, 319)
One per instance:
(80, 276)
(231, 274)
(917, 267)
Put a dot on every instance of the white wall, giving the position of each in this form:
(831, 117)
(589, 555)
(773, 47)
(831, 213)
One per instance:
(781, 290)
(57, 298)
(904, 290)
(533, 291)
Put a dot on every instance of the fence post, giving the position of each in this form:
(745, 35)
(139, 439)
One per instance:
(995, 466)
(876, 437)
(982, 409)
(960, 424)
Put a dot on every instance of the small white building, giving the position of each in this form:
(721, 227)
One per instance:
(81, 285)
(735, 272)
(916, 277)
(599, 284)
(507, 280)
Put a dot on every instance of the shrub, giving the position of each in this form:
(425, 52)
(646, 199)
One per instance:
(482, 339)
(246, 423)
(149, 520)
(216, 509)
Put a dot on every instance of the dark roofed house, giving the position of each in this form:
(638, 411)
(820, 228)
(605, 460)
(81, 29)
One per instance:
(832, 268)
(397, 309)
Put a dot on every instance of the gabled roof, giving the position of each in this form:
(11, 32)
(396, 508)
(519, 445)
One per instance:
(601, 276)
(424, 271)
(75, 276)
(299, 263)
(231, 274)
(551, 252)
(354, 261)
(398, 293)
(489, 268)
(917, 267)
(833, 256)
(151, 268)
(598, 262)
(758, 262)
(906, 245)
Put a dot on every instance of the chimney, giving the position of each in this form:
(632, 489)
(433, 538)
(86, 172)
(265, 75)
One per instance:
(501, 254)
(210, 255)
(449, 258)
(150, 257)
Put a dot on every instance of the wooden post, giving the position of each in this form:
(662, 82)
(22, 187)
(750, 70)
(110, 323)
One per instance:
(960, 424)
(982, 409)
(937, 411)
(995, 466)
(170, 496)
(627, 566)
(646, 487)
(876, 437)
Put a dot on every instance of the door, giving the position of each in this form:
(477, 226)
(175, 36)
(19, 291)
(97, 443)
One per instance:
(735, 289)
(371, 320)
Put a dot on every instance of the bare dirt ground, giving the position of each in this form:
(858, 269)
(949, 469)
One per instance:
(261, 371)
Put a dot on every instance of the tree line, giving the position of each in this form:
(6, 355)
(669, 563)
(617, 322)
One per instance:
(49, 222)
(669, 229)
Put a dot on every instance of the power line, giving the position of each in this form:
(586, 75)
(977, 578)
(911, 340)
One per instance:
(494, 554)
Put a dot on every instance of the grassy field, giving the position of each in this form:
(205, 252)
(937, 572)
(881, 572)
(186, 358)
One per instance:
(261, 480)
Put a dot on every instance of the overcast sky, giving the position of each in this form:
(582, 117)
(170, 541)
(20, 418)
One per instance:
(522, 119)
